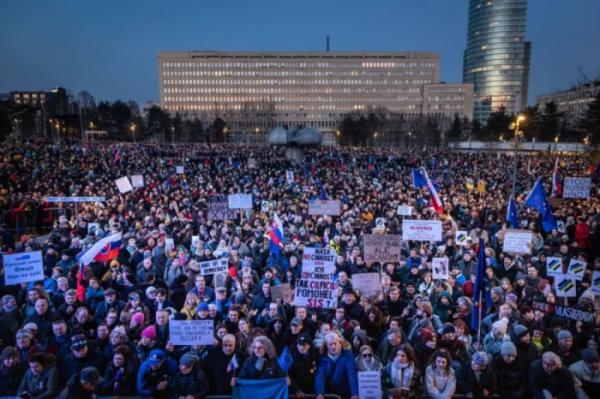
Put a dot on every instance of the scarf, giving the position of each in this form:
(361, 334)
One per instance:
(402, 374)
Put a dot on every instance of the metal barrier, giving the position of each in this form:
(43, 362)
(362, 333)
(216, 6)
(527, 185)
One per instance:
(31, 221)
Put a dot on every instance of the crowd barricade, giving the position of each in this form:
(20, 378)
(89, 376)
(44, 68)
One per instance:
(31, 221)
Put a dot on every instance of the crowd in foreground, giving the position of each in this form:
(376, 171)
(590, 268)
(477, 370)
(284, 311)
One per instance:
(113, 338)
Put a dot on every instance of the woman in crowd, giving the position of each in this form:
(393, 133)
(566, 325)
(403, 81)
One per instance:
(440, 381)
(402, 376)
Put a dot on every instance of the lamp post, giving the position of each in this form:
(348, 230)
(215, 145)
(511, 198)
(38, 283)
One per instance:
(515, 125)
(172, 135)
(132, 128)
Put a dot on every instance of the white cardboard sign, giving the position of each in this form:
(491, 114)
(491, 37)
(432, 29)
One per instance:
(214, 266)
(421, 230)
(404, 210)
(565, 286)
(577, 187)
(23, 267)
(440, 268)
(517, 242)
(324, 207)
(316, 288)
(239, 201)
(368, 284)
(577, 268)
(124, 185)
(289, 176)
(191, 332)
(461, 237)
(554, 266)
(137, 181)
(179, 170)
(369, 385)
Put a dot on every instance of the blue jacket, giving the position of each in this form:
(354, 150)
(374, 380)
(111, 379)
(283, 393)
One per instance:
(148, 379)
(339, 377)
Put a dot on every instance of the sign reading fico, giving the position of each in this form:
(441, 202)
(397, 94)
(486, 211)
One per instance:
(421, 230)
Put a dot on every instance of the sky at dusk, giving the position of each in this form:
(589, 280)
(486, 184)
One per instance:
(110, 47)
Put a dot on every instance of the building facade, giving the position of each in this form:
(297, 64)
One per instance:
(573, 102)
(256, 91)
(497, 57)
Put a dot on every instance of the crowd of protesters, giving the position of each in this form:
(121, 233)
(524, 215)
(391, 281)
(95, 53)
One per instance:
(418, 332)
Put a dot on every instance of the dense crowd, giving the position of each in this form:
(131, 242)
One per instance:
(418, 332)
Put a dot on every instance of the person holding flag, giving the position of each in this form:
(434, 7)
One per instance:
(420, 179)
(482, 300)
(104, 250)
(537, 200)
(556, 186)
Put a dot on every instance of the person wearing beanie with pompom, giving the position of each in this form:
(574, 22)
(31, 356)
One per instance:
(511, 372)
(494, 339)
(478, 380)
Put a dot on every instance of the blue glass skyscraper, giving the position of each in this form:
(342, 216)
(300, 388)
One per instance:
(497, 57)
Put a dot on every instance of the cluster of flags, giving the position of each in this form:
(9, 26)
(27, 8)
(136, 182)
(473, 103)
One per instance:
(104, 250)
(421, 179)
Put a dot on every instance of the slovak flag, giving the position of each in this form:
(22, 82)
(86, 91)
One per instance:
(556, 188)
(275, 235)
(436, 202)
(104, 250)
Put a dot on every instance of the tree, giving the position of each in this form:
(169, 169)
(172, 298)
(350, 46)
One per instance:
(455, 131)
(532, 127)
(498, 124)
(217, 131)
(86, 101)
(589, 120)
(550, 122)
(158, 122)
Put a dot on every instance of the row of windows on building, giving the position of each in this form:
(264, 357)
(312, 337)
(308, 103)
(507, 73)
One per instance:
(289, 107)
(221, 73)
(202, 64)
(303, 90)
(292, 82)
(281, 101)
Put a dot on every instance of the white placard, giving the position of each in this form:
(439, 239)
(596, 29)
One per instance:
(554, 266)
(440, 268)
(252, 162)
(137, 181)
(324, 207)
(264, 206)
(124, 185)
(382, 248)
(191, 332)
(239, 201)
(369, 385)
(577, 187)
(368, 284)
(195, 243)
(179, 170)
(517, 242)
(75, 199)
(214, 266)
(169, 244)
(316, 287)
(596, 282)
(577, 268)
(560, 226)
(565, 286)
(289, 176)
(461, 237)
(23, 267)
(421, 230)
(404, 210)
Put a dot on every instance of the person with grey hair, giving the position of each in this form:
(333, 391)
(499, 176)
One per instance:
(262, 361)
(479, 380)
(549, 379)
(336, 372)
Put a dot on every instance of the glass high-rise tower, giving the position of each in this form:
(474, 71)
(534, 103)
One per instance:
(497, 57)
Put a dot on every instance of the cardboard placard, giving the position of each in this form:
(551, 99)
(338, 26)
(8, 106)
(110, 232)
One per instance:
(191, 332)
(577, 268)
(23, 267)
(461, 237)
(218, 208)
(421, 230)
(404, 210)
(214, 266)
(137, 181)
(517, 241)
(369, 385)
(124, 185)
(316, 288)
(239, 201)
(179, 170)
(368, 284)
(281, 291)
(382, 248)
(289, 177)
(565, 286)
(596, 282)
(440, 268)
(554, 266)
(577, 187)
(324, 208)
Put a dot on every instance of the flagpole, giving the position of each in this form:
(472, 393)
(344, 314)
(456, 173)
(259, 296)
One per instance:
(479, 318)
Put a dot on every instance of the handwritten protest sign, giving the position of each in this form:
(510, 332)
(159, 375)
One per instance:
(461, 237)
(554, 266)
(517, 241)
(214, 266)
(169, 244)
(23, 267)
(124, 185)
(404, 210)
(382, 248)
(565, 286)
(368, 284)
(137, 181)
(324, 207)
(239, 201)
(577, 187)
(75, 199)
(369, 385)
(218, 208)
(315, 288)
(577, 268)
(281, 291)
(179, 170)
(440, 268)
(191, 332)
(421, 230)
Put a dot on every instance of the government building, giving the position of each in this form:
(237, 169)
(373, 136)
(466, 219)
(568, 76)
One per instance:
(255, 91)
(572, 102)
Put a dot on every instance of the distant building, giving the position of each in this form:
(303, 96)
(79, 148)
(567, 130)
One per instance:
(497, 57)
(572, 102)
(256, 91)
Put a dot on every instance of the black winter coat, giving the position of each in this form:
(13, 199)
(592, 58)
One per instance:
(302, 372)
(468, 383)
(511, 377)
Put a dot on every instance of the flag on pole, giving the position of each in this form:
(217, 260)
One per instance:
(556, 187)
(275, 235)
(418, 180)
(233, 364)
(104, 250)
(536, 199)
(511, 213)
(482, 299)
(436, 202)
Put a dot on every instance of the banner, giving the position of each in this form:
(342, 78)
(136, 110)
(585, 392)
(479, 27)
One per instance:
(554, 266)
(565, 312)
(577, 268)
(75, 199)
(382, 248)
(461, 237)
(281, 291)
(368, 284)
(214, 266)
(517, 242)
(218, 208)
(421, 230)
(23, 267)
(404, 210)
(565, 286)
(369, 385)
(577, 187)
(275, 388)
(191, 332)
(440, 268)
(137, 181)
(324, 207)
(316, 288)
(124, 185)
(239, 201)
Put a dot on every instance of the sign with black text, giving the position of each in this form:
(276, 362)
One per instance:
(316, 287)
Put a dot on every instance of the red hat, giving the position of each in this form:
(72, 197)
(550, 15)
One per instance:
(426, 335)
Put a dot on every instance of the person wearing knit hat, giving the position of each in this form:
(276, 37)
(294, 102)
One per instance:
(188, 360)
(494, 339)
(511, 372)
(138, 318)
(427, 337)
(586, 373)
(189, 381)
(564, 348)
(149, 333)
(478, 378)
(508, 349)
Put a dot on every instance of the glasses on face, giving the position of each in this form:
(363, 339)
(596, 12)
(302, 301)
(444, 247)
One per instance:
(367, 355)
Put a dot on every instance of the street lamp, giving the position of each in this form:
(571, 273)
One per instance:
(409, 138)
(172, 135)
(515, 125)
(132, 128)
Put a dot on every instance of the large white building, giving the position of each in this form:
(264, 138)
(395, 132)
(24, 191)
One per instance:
(573, 102)
(255, 91)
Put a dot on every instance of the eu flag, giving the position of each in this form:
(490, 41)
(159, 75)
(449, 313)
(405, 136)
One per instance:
(511, 213)
(285, 360)
(536, 199)
(418, 179)
(482, 300)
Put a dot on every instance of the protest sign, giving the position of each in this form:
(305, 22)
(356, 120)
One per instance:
(596, 282)
(169, 244)
(554, 266)
(324, 207)
(517, 242)
(560, 226)
(441, 268)
(577, 187)
(289, 176)
(565, 312)
(421, 230)
(281, 291)
(179, 170)
(264, 206)
(251, 163)
(404, 210)
(382, 248)
(214, 266)
(577, 268)
(195, 243)
(74, 199)
(92, 227)
(124, 185)
(565, 286)
(137, 181)
(23, 267)
(191, 332)
(239, 201)
(369, 385)
(218, 208)
(461, 237)
(368, 284)
(315, 288)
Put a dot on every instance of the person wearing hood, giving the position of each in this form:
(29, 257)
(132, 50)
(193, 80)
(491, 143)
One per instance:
(41, 380)
(511, 372)
(402, 374)
(479, 380)
(366, 360)
(119, 377)
(443, 307)
(494, 339)
(586, 374)
(11, 371)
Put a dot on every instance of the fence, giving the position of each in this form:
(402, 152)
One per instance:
(31, 221)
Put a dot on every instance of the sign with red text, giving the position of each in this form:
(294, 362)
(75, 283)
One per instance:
(316, 287)
(421, 230)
